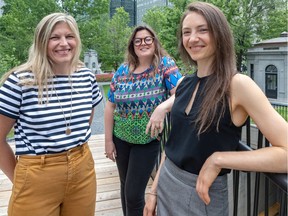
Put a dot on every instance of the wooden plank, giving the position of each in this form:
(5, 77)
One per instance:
(108, 195)
(4, 198)
(273, 210)
(3, 211)
(108, 187)
(108, 180)
(110, 212)
(108, 202)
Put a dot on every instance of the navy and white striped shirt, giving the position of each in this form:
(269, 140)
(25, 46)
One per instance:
(40, 128)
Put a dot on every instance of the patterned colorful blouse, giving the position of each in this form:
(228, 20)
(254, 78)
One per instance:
(137, 95)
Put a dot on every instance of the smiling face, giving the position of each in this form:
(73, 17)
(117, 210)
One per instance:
(61, 45)
(197, 39)
(144, 50)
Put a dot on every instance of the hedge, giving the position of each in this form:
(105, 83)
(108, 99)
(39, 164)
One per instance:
(105, 77)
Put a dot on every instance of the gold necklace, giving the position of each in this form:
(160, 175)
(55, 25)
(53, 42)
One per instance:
(68, 129)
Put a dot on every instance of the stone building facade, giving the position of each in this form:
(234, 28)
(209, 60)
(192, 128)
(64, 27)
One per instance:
(267, 66)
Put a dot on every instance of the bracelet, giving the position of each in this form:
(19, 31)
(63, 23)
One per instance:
(152, 193)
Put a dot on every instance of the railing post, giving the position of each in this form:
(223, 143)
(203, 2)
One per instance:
(235, 192)
(283, 207)
(257, 178)
(266, 204)
(248, 141)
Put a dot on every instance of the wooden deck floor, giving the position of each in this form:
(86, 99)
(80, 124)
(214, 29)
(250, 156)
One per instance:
(108, 187)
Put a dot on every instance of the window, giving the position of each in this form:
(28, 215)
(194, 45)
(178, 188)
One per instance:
(252, 71)
(271, 81)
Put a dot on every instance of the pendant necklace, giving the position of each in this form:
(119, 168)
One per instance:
(68, 129)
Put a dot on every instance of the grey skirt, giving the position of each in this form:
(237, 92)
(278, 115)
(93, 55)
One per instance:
(177, 194)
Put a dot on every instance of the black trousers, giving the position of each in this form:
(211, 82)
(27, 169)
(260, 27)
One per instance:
(135, 163)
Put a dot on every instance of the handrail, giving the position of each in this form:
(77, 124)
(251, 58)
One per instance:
(280, 179)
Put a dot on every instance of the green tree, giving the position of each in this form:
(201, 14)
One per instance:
(165, 21)
(156, 18)
(90, 16)
(20, 18)
(275, 21)
(85, 10)
(250, 21)
(7, 62)
(114, 39)
(17, 25)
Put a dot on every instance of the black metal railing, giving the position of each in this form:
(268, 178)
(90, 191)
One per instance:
(281, 108)
(274, 183)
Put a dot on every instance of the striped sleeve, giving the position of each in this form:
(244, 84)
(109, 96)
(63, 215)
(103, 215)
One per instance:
(10, 97)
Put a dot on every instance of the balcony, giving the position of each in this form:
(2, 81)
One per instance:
(108, 186)
(251, 194)
(262, 194)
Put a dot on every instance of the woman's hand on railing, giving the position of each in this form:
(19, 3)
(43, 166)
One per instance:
(206, 177)
(150, 206)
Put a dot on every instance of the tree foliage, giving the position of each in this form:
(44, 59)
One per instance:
(250, 21)
(114, 39)
(89, 16)
(275, 21)
(7, 62)
(20, 17)
(165, 21)
(17, 24)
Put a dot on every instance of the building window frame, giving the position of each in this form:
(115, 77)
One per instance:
(271, 81)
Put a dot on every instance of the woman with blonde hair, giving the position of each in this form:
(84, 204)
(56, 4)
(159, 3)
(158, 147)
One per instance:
(49, 100)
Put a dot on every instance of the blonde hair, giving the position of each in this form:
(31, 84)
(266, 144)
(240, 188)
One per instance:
(38, 61)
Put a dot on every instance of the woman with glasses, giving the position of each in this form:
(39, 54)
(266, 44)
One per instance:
(139, 85)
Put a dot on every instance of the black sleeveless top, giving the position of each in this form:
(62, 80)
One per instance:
(184, 147)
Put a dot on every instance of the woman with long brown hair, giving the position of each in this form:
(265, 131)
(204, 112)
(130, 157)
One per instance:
(208, 111)
(139, 85)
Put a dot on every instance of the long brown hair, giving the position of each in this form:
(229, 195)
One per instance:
(132, 58)
(216, 94)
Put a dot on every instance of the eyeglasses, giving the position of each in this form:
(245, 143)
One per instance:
(147, 40)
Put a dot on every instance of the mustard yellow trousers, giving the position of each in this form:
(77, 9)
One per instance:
(63, 184)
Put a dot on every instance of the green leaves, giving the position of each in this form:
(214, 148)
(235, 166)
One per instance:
(18, 22)
(250, 21)
(7, 62)
(114, 39)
